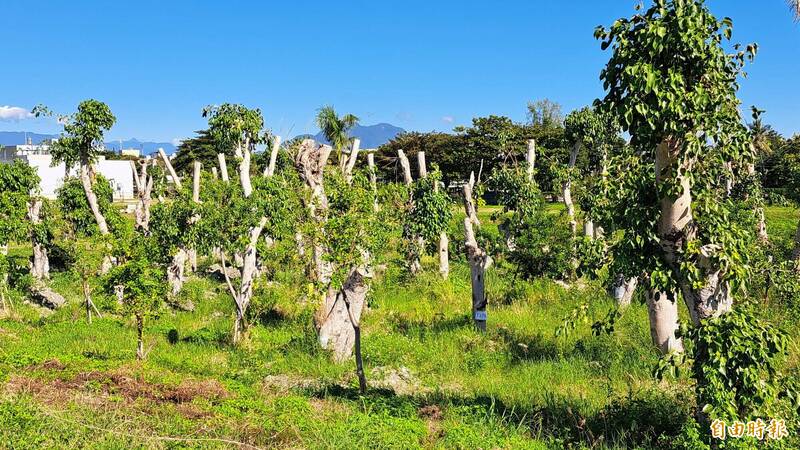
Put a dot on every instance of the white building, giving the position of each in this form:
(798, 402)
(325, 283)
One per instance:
(118, 173)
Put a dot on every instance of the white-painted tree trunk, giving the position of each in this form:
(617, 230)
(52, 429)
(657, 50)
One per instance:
(423, 167)
(624, 289)
(530, 158)
(676, 228)
(40, 263)
(336, 320)
(479, 261)
(143, 193)
(415, 265)
(249, 274)
(196, 168)
(176, 272)
(91, 198)
(171, 170)
(244, 169)
(351, 161)
(405, 167)
(444, 255)
(566, 190)
(663, 314)
(223, 167)
(588, 228)
(311, 160)
(469, 201)
(273, 157)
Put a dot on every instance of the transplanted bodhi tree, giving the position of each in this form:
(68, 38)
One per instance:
(81, 144)
(673, 88)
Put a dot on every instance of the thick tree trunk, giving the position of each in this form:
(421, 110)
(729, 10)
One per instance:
(444, 255)
(310, 162)
(244, 170)
(341, 313)
(273, 157)
(624, 289)
(423, 167)
(676, 228)
(406, 167)
(40, 263)
(588, 228)
(249, 274)
(91, 198)
(663, 314)
(176, 273)
(479, 261)
(140, 337)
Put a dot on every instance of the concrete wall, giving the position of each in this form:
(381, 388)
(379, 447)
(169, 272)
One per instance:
(118, 173)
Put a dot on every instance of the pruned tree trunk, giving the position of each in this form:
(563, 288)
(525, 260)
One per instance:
(373, 179)
(168, 164)
(588, 228)
(351, 161)
(624, 289)
(197, 166)
(469, 201)
(91, 198)
(273, 157)
(244, 169)
(405, 167)
(214, 173)
(761, 225)
(40, 263)
(676, 228)
(311, 160)
(663, 313)
(530, 158)
(423, 167)
(444, 255)
(140, 337)
(340, 314)
(176, 272)
(144, 191)
(223, 167)
(566, 190)
(249, 274)
(479, 261)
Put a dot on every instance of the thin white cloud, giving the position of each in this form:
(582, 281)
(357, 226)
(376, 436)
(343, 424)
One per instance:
(448, 119)
(176, 142)
(14, 113)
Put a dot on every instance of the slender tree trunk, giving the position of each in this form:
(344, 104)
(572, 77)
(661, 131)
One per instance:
(40, 263)
(171, 170)
(249, 274)
(223, 167)
(469, 201)
(373, 179)
(624, 289)
(444, 255)
(140, 335)
(566, 190)
(273, 157)
(676, 228)
(530, 158)
(362, 378)
(663, 314)
(351, 161)
(479, 261)
(761, 226)
(91, 198)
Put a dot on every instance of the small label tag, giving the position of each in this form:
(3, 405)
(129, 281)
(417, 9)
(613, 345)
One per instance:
(480, 315)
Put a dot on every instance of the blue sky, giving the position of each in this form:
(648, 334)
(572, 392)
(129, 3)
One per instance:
(421, 65)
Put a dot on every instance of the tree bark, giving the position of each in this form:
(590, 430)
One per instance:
(197, 167)
(351, 161)
(273, 157)
(223, 167)
(168, 164)
(423, 167)
(310, 161)
(145, 189)
(676, 228)
(566, 190)
(40, 263)
(91, 198)
(530, 158)
(663, 314)
(588, 228)
(624, 289)
(176, 272)
(479, 261)
(249, 274)
(244, 169)
(469, 201)
(406, 167)
(341, 313)
(444, 255)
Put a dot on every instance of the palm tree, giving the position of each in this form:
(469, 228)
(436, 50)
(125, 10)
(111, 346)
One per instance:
(795, 5)
(336, 129)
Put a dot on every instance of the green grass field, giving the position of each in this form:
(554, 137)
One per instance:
(434, 382)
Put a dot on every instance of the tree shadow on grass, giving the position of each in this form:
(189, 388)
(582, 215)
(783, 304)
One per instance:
(649, 418)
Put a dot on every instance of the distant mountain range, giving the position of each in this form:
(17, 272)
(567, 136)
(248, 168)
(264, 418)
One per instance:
(372, 136)
(20, 137)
